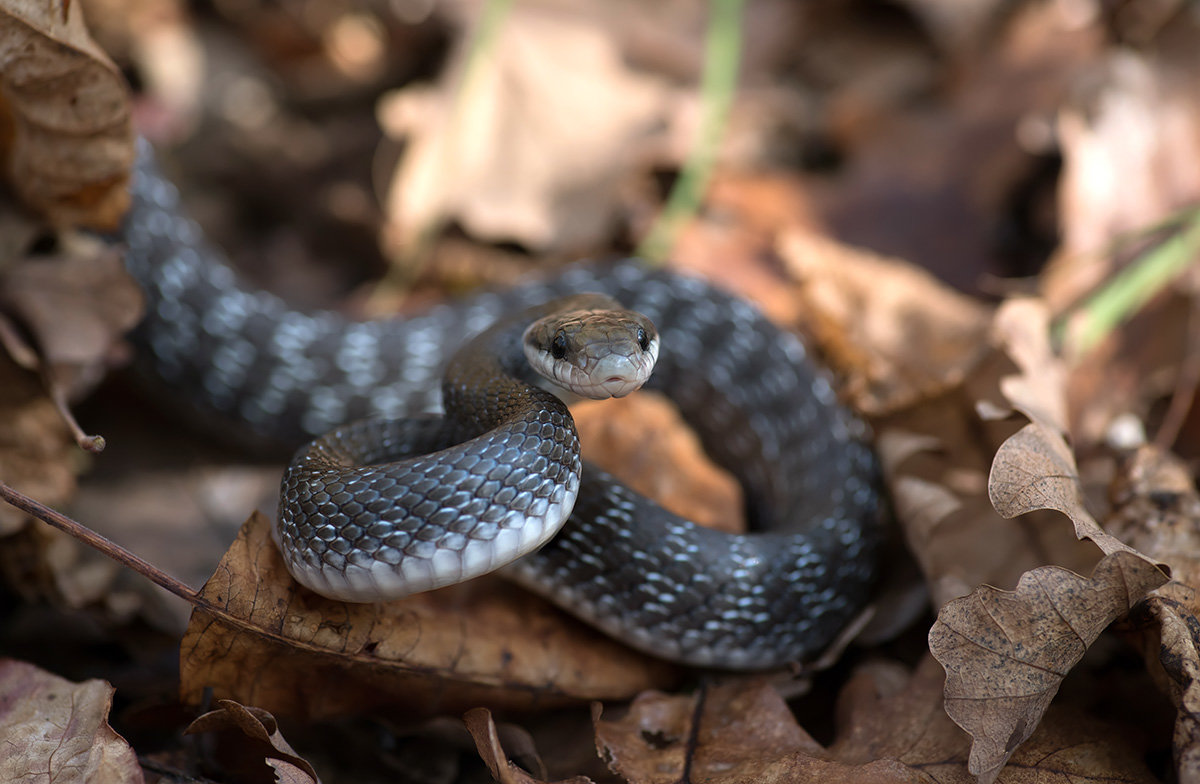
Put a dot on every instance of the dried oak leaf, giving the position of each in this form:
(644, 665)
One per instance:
(258, 637)
(248, 744)
(54, 730)
(890, 728)
(69, 147)
(936, 457)
(487, 740)
(1035, 469)
(1006, 653)
(531, 148)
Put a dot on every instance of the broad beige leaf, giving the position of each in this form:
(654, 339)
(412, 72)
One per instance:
(1022, 328)
(259, 638)
(72, 142)
(1006, 653)
(533, 146)
(54, 730)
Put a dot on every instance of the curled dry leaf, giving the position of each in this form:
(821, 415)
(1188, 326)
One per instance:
(247, 739)
(260, 638)
(54, 730)
(1006, 653)
(532, 147)
(1035, 468)
(936, 457)
(72, 142)
(487, 740)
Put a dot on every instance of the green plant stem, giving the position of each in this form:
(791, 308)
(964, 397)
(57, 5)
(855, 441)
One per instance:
(723, 51)
(1134, 286)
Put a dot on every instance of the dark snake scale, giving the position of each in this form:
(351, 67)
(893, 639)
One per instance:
(651, 579)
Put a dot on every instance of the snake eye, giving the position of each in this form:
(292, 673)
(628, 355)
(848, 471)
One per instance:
(558, 346)
(643, 339)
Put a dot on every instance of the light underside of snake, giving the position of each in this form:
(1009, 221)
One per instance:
(653, 580)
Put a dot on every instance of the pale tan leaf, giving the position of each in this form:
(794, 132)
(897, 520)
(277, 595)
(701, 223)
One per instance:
(54, 730)
(534, 147)
(1006, 653)
(72, 143)
(77, 307)
(1022, 328)
(1035, 470)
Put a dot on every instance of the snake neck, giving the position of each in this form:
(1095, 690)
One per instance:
(489, 383)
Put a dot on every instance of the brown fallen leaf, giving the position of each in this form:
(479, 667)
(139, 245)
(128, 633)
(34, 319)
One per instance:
(896, 332)
(54, 730)
(247, 741)
(643, 439)
(1006, 653)
(71, 144)
(1130, 158)
(886, 713)
(259, 638)
(1035, 470)
(487, 740)
(890, 728)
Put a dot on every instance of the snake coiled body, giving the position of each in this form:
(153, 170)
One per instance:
(624, 564)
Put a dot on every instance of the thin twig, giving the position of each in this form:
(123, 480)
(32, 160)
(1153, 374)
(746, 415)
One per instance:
(97, 542)
(693, 738)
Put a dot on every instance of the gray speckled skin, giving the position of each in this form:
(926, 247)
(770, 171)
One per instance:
(658, 582)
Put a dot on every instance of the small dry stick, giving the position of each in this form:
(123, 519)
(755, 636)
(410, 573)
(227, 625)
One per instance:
(97, 542)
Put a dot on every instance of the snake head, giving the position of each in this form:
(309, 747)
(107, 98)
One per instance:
(592, 347)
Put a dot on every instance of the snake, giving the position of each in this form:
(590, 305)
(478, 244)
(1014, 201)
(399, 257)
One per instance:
(406, 480)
